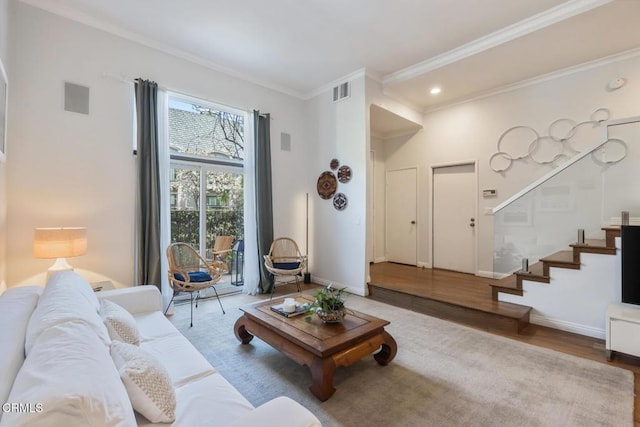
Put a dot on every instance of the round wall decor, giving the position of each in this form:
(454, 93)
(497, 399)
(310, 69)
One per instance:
(334, 164)
(327, 185)
(344, 174)
(340, 201)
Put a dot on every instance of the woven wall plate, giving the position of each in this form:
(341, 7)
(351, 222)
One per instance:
(344, 174)
(334, 164)
(340, 201)
(327, 185)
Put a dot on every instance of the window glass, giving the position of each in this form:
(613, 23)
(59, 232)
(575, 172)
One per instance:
(205, 131)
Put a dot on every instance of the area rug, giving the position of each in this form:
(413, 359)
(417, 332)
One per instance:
(444, 374)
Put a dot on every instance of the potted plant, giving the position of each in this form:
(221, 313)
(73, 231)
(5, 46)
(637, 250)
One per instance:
(328, 305)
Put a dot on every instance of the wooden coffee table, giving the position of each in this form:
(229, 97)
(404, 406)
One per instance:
(321, 347)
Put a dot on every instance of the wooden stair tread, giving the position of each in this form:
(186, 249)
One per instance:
(595, 246)
(592, 242)
(507, 282)
(535, 274)
(562, 259)
(561, 256)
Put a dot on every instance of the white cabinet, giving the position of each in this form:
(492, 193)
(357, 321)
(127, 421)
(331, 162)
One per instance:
(623, 329)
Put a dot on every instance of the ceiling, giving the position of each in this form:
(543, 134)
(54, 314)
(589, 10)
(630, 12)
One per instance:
(468, 47)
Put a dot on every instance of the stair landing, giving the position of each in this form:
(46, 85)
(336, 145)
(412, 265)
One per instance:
(459, 297)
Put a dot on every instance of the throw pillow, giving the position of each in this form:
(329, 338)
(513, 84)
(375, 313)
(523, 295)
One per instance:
(147, 382)
(119, 322)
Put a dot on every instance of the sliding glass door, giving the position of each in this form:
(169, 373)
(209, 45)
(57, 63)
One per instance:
(206, 190)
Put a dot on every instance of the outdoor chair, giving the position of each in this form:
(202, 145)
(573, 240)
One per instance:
(221, 248)
(285, 259)
(189, 272)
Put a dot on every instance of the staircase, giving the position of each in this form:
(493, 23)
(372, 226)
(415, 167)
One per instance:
(539, 272)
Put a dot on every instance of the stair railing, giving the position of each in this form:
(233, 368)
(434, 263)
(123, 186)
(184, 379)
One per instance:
(586, 192)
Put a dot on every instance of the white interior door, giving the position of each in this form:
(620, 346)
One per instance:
(401, 214)
(454, 218)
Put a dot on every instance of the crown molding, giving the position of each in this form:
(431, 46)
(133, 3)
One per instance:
(104, 26)
(585, 66)
(511, 32)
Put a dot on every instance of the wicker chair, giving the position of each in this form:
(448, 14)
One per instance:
(221, 248)
(285, 259)
(188, 272)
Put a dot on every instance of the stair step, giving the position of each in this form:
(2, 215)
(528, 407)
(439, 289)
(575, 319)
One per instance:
(539, 272)
(535, 274)
(611, 232)
(593, 246)
(508, 285)
(561, 259)
(493, 315)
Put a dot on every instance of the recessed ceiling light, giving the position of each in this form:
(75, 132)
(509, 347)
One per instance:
(435, 90)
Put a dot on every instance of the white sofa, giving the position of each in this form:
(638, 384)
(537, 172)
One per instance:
(69, 378)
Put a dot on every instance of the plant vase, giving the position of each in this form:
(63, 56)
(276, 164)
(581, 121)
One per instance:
(331, 316)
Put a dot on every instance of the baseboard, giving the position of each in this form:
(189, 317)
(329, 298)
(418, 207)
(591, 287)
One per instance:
(324, 282)
(491, 274)
(424, 264)
(563, 325)
(379, 260)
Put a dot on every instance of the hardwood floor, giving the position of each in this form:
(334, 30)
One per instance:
(445, 294)
(469, 290)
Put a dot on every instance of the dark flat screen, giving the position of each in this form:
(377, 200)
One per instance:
(630, 264)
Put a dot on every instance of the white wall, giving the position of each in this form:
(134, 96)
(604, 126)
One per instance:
(390, 155)
(338, 130)
(379, 199)
(5, 11)
(69, 169)
(471, 131)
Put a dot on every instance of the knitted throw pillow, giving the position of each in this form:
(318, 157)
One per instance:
(147, 382)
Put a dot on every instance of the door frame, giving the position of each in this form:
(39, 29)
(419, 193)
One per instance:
(386, 213)
(430, 224)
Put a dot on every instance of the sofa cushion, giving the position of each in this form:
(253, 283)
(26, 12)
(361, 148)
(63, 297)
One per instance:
(16, 306)
(183, 362)
(119, 322)
(147, 382)
(210, 401)
(154, 324)
(69, 372)
(66, 297)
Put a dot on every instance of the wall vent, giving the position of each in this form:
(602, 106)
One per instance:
(342, 91)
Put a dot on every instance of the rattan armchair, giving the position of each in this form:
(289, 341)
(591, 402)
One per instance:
(285, 259)
(189, 272)
(221, 248)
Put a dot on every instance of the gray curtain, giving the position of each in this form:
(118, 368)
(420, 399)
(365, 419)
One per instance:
(264, 203)
(148, 194)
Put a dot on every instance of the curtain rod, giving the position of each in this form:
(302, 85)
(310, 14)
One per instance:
(122, 78)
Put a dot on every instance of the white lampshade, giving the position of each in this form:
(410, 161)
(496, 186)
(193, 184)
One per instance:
(60, 242)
